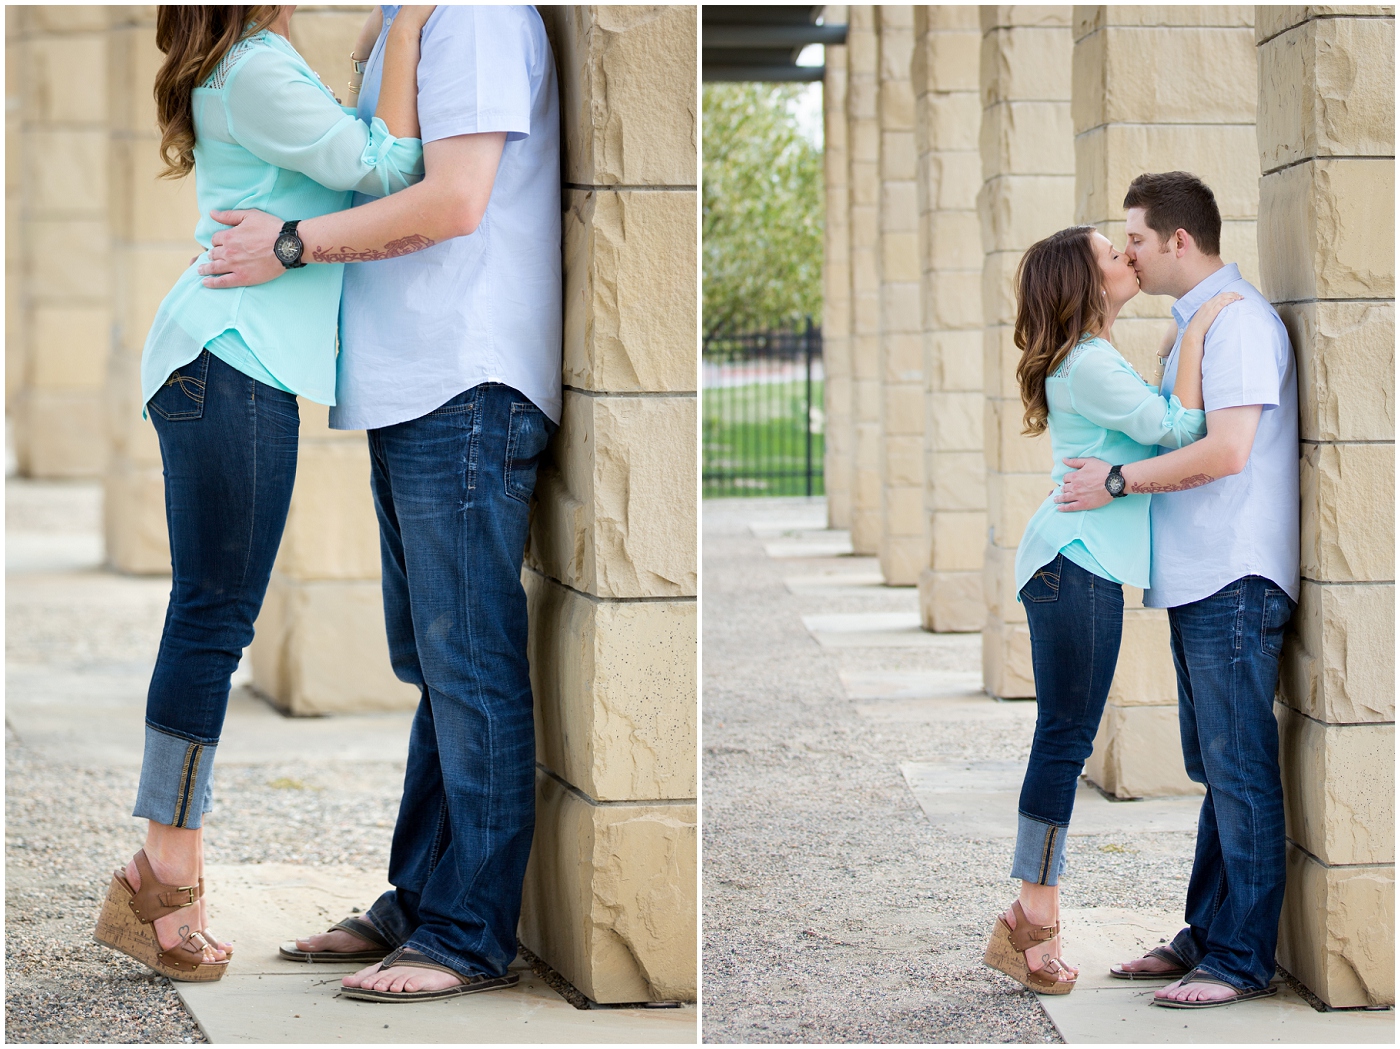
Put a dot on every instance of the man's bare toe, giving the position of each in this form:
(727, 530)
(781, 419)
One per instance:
(362, 978)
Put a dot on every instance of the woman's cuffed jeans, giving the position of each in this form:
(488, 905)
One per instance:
(452, 490)
(229, 448)
(1076, 623)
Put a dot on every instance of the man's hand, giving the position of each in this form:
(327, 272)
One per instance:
(242, 254)
(1083, 486)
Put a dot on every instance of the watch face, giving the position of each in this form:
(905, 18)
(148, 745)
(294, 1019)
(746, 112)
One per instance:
(1115, 484)
(287, 248)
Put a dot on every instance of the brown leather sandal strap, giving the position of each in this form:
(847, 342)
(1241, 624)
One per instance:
(1026, 935)
(154, 899)
(361, 928)
(188, 954)
(406, 956)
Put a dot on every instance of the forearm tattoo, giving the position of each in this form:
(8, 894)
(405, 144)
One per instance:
(406, 246)
(1151, 487)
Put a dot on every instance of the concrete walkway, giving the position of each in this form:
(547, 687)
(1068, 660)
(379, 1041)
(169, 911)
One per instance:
(826, 706)
(299, 838)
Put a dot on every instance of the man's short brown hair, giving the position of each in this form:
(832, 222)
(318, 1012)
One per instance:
(1174, 200)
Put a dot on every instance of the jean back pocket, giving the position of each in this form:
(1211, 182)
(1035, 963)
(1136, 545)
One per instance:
(530, 430)
(181, 396)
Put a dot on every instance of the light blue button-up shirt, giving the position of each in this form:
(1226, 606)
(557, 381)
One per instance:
(269, 135)
(1100, 408)
(417, 330)
(1247, 524)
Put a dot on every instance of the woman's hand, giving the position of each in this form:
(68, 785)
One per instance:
(412, 17)
(1205, 316)
(369, 33)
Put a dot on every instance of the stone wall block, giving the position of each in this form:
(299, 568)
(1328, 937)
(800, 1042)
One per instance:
(332, 531)
(999, 584)
(1007, 449)
(950, 602)
(67, 80)
(622, 475)
(627, 93)
(134, 60)
(1348, 523)
(958, 354)
(53, 245)
(957, 540)
(946, 60)
(1012, 499)
(1346, 362)
(955, 421)
(135, 534)
(957, 481)
(1327, 230)
(904, 457)
(1017, 211)
(1137, 754)
(610, 895)
(1010, 16)
(67, 171)
(1000, 358)
(1146, 675)
(68, 346)
(1027, 138)
(954, 238)
(956, 302)
(621, 250)
(615, 686)
(1337, 934)
(324, 38)
(320, 648)
(62, 433)
(1025, 62)
(1006, 660)
(1338, 654)
(1087, 19)
(1336, 807)
(144, 276)
(1327, 89)
(145, 207)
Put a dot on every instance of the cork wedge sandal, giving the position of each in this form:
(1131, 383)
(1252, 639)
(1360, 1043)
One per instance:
(1006, 953)
(127, 924)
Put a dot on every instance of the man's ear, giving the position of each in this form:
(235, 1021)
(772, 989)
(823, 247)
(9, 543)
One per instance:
(1181, 241)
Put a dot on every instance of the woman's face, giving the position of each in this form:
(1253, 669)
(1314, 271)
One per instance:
(1119, 279)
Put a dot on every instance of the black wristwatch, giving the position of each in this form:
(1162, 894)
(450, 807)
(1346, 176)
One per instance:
(288, 246)
(1117, 487)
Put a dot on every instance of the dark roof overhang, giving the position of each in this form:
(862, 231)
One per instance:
(740, 42)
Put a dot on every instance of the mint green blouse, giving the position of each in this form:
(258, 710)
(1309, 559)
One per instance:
(269, 135)
(1100, 408)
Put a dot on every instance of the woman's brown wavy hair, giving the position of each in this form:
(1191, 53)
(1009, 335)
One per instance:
(1059, 300)
(194, 38)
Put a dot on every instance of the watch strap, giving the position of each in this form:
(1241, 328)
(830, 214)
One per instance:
(1122, 486)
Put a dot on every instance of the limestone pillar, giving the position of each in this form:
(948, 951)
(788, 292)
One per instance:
(836, 288)
(1159, 89)
(863, 195)
(611, 894)
(948, 114)
(1326, 139)
(152, 241)
(1027, 193)
(60, 289)
(903, 551)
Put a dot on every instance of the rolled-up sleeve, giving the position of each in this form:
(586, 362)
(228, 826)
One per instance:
(280, 116)
(1242, 359)
(1105, 390)
(474, 75)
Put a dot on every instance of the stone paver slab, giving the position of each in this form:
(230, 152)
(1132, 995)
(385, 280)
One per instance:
(876, 630)
(810, 544)
(978, 799)
(915, 684)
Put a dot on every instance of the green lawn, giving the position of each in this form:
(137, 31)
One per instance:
(755, 439)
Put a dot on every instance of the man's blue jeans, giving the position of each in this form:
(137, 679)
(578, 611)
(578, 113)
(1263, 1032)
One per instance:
(1076, 622)
(229, 447)
(452, 490)
(1226, 648)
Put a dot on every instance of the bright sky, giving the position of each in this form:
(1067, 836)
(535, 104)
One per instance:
(807, 111)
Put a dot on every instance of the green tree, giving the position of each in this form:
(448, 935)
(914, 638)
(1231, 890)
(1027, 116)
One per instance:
(764, 211)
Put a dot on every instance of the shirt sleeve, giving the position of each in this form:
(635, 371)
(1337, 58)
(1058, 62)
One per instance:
(1242, 363)
(281, 116)
(474, 71)
(1105, 390)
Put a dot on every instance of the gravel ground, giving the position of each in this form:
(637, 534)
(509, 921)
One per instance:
(832, 910)
(68, 826)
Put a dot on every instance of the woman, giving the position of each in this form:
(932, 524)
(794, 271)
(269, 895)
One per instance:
(220, 374)
(1071, 567)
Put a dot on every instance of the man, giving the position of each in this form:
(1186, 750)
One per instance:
(450, 358)
(1225, 566)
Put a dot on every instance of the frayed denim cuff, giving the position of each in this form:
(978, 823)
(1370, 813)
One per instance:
(176, 780)
(1040, 851)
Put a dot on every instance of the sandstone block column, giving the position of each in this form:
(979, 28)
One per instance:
(1027, 147)
(903, 551)
(1158, 89)
(836, 288)
(611, 894)
(152, 240)
(60, 287)
(948, 112)
(863, 195)
(1326, 248)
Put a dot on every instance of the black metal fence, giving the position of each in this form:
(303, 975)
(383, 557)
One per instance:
(762, 403)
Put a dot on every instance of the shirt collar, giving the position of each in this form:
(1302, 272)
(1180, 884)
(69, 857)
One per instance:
(1185, 307)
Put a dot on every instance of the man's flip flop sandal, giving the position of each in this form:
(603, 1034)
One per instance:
(1162, 954)
(1195, 976)
(355, 927)
(406, 957)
